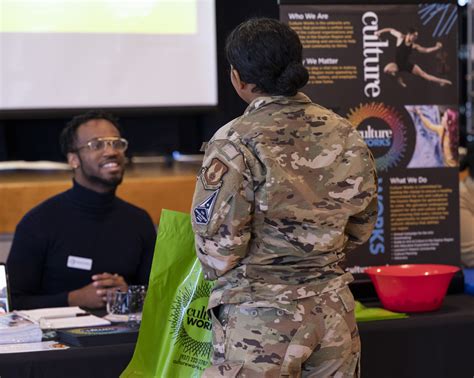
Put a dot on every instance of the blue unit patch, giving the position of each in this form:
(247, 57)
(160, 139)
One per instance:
(203, 211)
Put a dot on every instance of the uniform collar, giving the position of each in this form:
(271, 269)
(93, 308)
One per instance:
(260, 102)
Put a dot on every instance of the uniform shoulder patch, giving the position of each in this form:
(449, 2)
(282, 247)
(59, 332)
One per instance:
(203, 211)
(212, 176)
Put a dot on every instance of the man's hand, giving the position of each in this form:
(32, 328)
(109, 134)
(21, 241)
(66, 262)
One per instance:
(438, 45)
(106, 281)
(94, 295)
(86, 296)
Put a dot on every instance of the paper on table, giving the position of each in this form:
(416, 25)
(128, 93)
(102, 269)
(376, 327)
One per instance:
(32, 347)
(53, 312)
(62, 317)
(72, 322)
(117, 318)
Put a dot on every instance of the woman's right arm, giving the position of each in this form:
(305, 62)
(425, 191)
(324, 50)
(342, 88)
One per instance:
(427, 123)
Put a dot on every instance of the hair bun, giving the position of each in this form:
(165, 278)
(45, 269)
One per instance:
(294, 77)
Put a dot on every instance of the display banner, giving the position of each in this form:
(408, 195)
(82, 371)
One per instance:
(470, 73)
(392, 71)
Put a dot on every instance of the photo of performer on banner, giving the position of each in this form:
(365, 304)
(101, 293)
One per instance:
(437, 136)
(405, 44)
(384, 53)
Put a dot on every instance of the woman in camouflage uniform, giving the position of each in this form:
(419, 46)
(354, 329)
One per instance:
(285, 191)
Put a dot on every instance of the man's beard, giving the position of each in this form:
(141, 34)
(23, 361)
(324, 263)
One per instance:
(110, 183)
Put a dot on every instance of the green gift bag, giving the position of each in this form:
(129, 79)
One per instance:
(175, 333)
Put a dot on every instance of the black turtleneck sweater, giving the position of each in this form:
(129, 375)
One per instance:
(117, 236)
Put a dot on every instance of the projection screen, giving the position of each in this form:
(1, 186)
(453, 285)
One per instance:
(67, 54)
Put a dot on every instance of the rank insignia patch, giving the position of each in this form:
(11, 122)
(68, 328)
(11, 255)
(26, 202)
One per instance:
(203, 211)
(212, 175)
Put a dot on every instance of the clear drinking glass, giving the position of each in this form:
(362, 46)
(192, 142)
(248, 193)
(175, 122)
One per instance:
(136, 299)
(118, 305)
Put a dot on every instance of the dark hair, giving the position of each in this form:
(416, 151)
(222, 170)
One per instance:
(412, 30)
(267, 53)
(67, 139)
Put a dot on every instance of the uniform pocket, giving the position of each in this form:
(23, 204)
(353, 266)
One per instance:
(346, 297)
(347, 300)
(218, 332)
(342, 302)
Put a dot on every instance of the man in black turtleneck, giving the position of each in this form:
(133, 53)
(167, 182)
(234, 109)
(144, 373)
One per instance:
(72, 248)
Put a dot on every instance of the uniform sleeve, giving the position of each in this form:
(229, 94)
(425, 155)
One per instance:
(222, 209)
(149, 239)
(25, 269)
(361, 224)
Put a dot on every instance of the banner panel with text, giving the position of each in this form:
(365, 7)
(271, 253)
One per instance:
(392, 71)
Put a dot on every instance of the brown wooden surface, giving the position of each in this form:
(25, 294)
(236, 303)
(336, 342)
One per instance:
(151, 187)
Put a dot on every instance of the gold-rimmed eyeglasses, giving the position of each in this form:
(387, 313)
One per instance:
(99, 144)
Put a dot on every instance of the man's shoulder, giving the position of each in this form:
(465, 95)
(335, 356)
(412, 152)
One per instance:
(42, 216)
(52, 204)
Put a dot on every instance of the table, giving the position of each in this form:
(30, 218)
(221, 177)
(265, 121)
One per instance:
(81, 362)
(433, 345)
(438, 344)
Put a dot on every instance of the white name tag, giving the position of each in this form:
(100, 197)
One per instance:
(77, 262)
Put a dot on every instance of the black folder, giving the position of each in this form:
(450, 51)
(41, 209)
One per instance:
(101, 335)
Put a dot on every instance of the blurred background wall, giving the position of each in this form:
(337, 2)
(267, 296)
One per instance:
(26, 137)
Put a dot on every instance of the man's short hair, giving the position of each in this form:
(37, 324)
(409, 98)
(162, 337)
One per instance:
(68, 137)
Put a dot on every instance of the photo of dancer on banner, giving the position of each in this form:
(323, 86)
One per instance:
(405, 45)
(393, 54)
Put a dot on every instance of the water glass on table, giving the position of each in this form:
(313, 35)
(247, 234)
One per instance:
(117, 306)
(136, 298)
(126, 306)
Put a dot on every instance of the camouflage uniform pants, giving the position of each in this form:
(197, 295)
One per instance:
(318, 339)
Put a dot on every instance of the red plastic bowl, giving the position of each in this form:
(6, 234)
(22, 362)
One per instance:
(411, 287)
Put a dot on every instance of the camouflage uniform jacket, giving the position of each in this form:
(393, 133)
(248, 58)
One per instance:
(285, 190)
